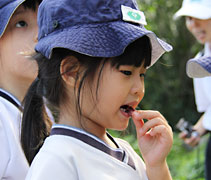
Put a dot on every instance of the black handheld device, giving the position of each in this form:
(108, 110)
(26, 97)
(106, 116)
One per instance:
(185, 126)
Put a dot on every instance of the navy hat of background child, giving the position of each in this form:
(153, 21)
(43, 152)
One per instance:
(199, 67)
(99, 28)
(7, 8)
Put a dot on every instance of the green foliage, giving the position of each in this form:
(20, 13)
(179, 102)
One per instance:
(184, 163)
(168, 89)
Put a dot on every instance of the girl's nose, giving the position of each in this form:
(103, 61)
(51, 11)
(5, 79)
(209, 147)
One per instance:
(138, 88)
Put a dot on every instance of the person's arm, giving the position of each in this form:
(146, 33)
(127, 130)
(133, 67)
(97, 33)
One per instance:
(199, 127)
(155, 140)
(194, 140)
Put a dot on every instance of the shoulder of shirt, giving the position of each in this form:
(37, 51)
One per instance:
(8, 106)
(10, 100)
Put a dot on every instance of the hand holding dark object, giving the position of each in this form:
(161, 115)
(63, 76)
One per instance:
(188, 134)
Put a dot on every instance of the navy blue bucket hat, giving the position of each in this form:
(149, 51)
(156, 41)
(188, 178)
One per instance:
(98, 28)
(199, 67)
(7, 8)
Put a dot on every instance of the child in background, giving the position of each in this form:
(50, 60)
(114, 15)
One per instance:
(18, 33)
(198, 22)
(92, 58)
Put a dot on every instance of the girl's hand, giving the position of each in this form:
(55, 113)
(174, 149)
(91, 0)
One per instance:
(155, 136)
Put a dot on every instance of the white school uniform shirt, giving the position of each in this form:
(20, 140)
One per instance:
(13, 164)
(71, 153)
(202, 89)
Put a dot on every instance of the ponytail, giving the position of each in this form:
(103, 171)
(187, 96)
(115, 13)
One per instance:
(35, 124)
(46, 87)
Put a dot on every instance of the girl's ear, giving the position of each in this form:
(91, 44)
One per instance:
(69, 68)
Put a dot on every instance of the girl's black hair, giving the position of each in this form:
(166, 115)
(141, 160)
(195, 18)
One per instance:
(50, 85)
(31, 4)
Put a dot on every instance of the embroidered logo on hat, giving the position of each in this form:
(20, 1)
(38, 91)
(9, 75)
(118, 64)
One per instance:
(133, 15)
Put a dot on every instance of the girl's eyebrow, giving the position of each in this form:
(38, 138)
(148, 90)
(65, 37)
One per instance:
(18, 12)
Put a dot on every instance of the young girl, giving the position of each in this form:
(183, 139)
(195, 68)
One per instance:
(18, 33)
(92, 58)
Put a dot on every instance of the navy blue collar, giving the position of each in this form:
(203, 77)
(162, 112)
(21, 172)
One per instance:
(92, 141)
(10, 99)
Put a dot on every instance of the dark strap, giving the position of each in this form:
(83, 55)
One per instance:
(5, 96)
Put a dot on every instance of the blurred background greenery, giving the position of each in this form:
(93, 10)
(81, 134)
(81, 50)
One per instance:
(168, 89)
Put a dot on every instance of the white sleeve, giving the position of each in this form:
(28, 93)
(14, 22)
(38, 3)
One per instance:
(4, 149)
(47, 165)
(207, 119)
(202, 88)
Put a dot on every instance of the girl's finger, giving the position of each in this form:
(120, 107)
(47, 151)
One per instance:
(161, 129)
(151, 124)
(147, 114)
(137, 120)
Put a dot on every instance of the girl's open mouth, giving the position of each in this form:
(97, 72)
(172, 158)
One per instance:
(128, 110)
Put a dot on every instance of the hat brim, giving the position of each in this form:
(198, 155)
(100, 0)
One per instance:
(100, 40)
(196, 10)
(6, 14)
(199, 67)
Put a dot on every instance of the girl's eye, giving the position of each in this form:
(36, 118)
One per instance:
(21, 24)
(127, 73)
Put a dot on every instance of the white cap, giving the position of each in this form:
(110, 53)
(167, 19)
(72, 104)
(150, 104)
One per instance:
(200, 9)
